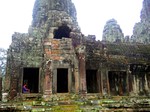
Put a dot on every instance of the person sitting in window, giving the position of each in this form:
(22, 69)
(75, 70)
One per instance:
(25, 89)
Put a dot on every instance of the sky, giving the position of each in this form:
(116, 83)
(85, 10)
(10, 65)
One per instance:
(16, 16)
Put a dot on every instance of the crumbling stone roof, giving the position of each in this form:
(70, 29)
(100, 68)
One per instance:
(132, 53)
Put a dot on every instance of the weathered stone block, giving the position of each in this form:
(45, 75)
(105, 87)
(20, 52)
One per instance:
(54, 41)
(56, 51)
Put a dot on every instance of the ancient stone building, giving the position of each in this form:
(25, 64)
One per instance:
(141, 32)
(55, 57)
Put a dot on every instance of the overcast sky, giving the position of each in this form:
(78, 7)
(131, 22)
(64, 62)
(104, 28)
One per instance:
(16, 16)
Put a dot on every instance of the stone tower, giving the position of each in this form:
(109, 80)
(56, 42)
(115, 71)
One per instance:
(38, 57)
(141, 33)
(48, 15)
(145, 12)
(47, 11)
(112, 32)
(54, 57)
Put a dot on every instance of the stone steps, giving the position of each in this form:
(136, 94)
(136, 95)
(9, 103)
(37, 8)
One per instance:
(77, 104)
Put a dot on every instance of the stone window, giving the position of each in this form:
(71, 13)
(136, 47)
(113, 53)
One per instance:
(141, 76)
(62, 31)
(91, 81)
(117, 82)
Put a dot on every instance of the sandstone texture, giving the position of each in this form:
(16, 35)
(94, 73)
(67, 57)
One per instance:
(66, 70)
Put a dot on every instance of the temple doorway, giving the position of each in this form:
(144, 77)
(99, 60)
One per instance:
(62, 80)
(117, 82)
(91, 81)
(31, 79)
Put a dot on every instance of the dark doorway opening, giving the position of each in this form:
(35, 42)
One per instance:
(148, 80)
(62, 80)
(117, 82)
(31, 79)
(91, 81)
(62, 31)
(140, 74)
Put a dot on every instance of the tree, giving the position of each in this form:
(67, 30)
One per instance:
(3, 57)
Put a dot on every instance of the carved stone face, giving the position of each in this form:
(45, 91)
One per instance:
(53, 12)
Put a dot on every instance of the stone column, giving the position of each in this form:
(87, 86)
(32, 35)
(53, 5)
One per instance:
(76, 75)
(54, 83)
(0, 87)
(76, 71)
(108, 84)
(48, 79)
(127, 78)
(13, 88)
(99, 81)
(130, 80)
(82, 70)
(82, 73)
(14, 81)
(105, 83)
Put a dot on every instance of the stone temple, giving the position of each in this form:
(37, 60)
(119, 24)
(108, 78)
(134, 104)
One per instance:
(55, 57)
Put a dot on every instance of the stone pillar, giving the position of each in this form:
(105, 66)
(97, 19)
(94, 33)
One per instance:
(54, 83)
(99, 82)
(48, 79)
(82, 73)
(13, 88)
(82, 70)
(108, 84)
(70, 81)
(130, 80)
(14, 81)
(0, 87)
(127, 79)
(76, 75)
(105, 83)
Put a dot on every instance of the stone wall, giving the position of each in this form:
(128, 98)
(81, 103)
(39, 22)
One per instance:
(25, 51)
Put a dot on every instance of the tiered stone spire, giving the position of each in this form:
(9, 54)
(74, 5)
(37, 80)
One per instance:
(141, 31)
(43, 8)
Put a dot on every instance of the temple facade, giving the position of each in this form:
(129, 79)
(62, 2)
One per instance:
(55, 57)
